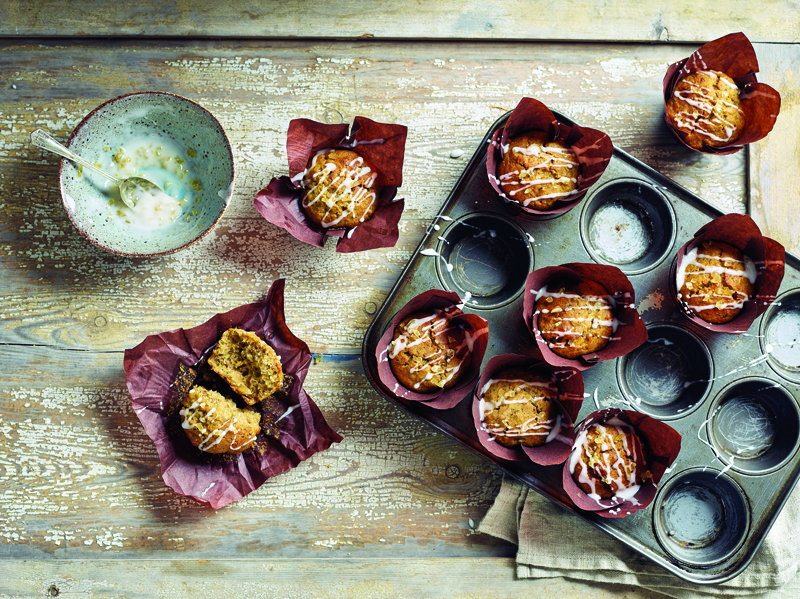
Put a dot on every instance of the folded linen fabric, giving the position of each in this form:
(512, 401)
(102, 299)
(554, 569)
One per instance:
(546, 535)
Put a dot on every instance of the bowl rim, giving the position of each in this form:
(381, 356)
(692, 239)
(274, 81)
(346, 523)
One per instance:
(85, 120)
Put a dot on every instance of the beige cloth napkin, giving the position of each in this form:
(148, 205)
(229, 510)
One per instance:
(555, 543)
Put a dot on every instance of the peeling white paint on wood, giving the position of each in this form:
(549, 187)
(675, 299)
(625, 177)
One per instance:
(78, 476)
(447, 19)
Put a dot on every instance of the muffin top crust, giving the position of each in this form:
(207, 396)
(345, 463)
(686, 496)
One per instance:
(340, 189)
(536, 172)
(705, 105)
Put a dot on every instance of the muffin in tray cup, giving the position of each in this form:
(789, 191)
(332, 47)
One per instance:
(617, 461)
(340, 184)
(524, 408)
(162, 370)
(431, 351)
(727, 275)
(543, 167)
(580, 314)
(712, 100)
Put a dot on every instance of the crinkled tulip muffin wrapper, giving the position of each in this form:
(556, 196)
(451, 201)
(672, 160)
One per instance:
(159, 372)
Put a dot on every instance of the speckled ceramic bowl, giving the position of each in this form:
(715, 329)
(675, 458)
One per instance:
(172, 141)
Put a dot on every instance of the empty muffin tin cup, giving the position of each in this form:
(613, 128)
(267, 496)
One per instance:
(780, 335)
(754, 425)
(628, 223)
(669, 375)
(484, 258)
(701, 517)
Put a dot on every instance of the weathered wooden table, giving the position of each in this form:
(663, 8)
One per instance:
(391, 511)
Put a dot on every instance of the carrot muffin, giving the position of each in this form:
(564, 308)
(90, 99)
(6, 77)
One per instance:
(339, 189)
(517, 408)
(215, 424)
(248, 365)
(536, 172)
(607, 460)
(715, 280)
(575, 319)
(427, 352)
(705, 105)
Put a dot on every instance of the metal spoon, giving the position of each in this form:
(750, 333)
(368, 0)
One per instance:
(129, 187)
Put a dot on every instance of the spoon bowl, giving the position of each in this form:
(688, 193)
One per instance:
(130, 188)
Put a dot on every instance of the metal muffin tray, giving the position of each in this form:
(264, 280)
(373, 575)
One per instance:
(733, 398)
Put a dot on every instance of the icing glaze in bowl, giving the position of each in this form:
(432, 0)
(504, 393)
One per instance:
(168, 139)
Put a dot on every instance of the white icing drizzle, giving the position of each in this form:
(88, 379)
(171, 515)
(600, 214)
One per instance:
(287, 412)
(549, 429)
(611, 468)
(215, 436)
(702, 98)
(355, 175)
(367, 142)
(559, 158)
(596, 323)
(443, 362)
(692, 257)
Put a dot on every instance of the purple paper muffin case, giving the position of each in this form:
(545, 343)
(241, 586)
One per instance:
(477, 334)
(570, 398)
(661, 445)
(630, 333)
(380, 143)
(159, 371)
(592, 148)
(768, 256)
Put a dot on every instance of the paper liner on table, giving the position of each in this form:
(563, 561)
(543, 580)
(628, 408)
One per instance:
(159, 372)
(381, 144)
(570, 398)
(476, 329)
(661, 445)
(735, 56)
(630, 333)
(768, 255)
(592, 148)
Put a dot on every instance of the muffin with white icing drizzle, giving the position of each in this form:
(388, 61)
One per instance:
(608, 461)
(575, 319)
(427, 351)
(536, 172)
(248, 364)
(715, 280)
(339, 189)
(705, 105)
(517, 408)
(215, 424)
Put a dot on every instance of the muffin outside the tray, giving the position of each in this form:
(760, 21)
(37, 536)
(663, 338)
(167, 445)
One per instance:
(705, 105)
(427, 351)
(575, 319)
(608, 461)
(339, 189)
(248, 364)
(517, 408)
(536, 172)
(215, 424)
(715, 280)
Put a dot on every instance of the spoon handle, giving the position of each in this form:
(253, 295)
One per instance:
(43, 140)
